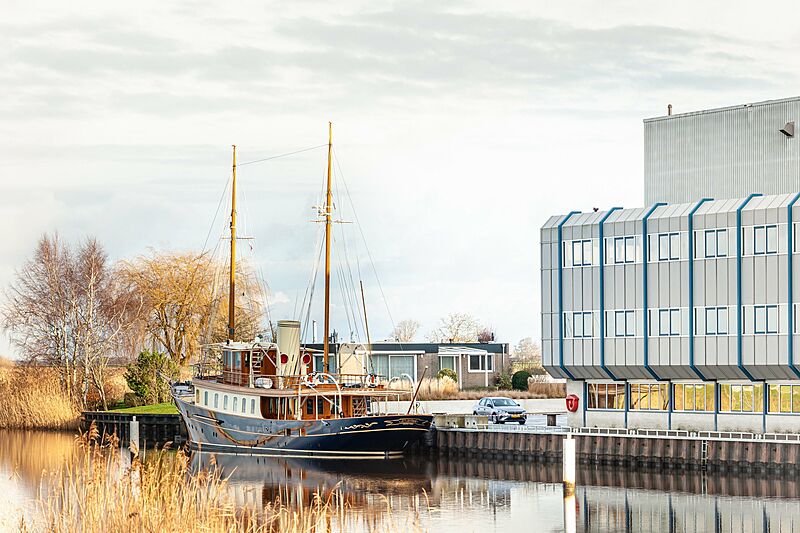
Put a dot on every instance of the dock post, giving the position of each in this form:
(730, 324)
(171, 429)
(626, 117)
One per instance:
(568, 461)
(134, 436)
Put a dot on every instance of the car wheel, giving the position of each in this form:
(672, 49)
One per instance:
(522, 422)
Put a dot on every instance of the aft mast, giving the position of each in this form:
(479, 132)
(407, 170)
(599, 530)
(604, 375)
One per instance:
(328, 208)
(232, 288)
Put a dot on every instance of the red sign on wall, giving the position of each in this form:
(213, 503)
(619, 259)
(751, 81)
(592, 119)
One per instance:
(572, 403)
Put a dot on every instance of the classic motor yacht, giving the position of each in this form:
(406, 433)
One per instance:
(266, 398)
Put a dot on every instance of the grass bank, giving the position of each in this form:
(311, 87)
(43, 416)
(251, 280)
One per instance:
(163, 494)
(155, 409)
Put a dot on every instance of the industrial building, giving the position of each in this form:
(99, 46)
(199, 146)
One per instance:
(685, 315)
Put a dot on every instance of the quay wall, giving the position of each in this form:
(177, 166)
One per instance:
(662, 451)
(154, 430)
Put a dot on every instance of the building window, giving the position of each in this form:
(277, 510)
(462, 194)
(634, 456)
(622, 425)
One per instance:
(481, 363)
(624, 324)
(741, 398)
(765, 239)
(447, 361)
(784, 398)
(649, 396)
(582, 252)
(625, 249)
(694, 397)
(393, 365)
(716, 321)
(716, 243)
(765, 319)
(669, 246)
(606, 396)
(669, 322)
(582, 324)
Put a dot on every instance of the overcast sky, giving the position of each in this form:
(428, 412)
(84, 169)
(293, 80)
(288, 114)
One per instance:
(460, 127)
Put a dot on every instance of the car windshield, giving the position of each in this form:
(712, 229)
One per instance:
(504, 402)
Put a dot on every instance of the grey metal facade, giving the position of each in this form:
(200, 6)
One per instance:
(700, 292)
(722, 153)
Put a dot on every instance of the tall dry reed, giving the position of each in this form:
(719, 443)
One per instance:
(162, 494)
(32, 398)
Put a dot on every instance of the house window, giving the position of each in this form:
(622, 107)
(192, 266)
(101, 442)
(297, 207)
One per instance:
(447, 361)
(481, 363)
(649, 396)
(624, 324)
(765, 239)
(784, 398)
(716, 243)
(694, 397)
(624, 249)
(669, 322)
(765, 319)
(669, 246)
(582, 252)
(716, 321)
(582, 325)
(741, 398)
(606, 396)
(393, 366)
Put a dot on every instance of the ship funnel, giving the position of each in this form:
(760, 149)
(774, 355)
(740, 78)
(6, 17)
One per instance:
(288, 362)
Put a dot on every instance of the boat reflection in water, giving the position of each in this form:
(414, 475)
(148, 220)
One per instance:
(467, 494)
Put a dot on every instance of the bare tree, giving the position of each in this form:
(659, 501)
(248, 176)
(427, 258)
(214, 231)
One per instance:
(527, 351)
(456, 327)
(62, 310)
(405, 330)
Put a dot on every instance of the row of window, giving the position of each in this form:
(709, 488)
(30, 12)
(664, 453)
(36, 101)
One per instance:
(673, 246)
(709, 321)
(237, 404)
(694, 397)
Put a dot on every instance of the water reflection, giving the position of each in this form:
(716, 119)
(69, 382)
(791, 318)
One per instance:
(458, 494)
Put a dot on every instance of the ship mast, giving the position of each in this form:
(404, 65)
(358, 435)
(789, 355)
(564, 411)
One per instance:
(328, 209)
(232, 288)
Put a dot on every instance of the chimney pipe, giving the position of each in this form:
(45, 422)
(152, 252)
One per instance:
(669, 110)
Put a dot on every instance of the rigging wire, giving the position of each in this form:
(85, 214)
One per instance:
(270, 158)
(363, 238)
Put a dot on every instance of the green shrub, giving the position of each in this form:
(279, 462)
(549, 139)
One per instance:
(145, 376)
(519, 381)
(447, 372)
(503, 380)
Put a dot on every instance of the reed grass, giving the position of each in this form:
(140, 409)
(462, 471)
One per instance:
(99, 494)
(32, 398)
(445, 388)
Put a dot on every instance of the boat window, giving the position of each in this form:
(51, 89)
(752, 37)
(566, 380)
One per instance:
(309, 406)
(205, 398)
(253, 406)
(225, 402)
(244, 405)
(235, 404)
(216, 399)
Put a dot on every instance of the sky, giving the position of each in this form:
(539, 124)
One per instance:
(459, 128)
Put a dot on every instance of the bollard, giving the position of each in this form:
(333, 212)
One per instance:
(134, 436)
(568, 461)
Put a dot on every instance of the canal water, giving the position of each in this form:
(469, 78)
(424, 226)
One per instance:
(440, 494)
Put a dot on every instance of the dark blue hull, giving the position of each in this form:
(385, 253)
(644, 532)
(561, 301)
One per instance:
(361, 437)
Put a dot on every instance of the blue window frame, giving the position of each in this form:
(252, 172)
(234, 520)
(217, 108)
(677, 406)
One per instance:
(716, 321)
(765, 239)
(582, 253)
(624, 323)
(669, 322)
(624, 250)
(716, 243)
(582, 324)
(669, 246)
(765, 319)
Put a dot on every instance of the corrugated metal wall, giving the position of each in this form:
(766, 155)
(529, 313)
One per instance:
(722, 153)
